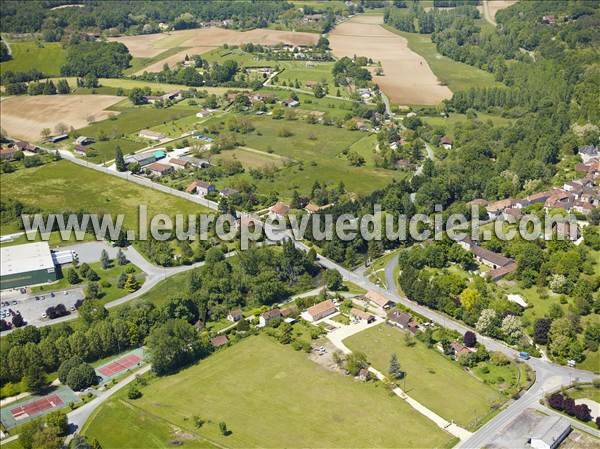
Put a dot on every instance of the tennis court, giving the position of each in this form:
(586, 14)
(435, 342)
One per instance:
(118, 366)
(35, 406)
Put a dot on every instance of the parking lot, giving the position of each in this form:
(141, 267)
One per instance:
(33, 307)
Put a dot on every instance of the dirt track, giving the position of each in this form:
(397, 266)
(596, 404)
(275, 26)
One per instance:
(25, 117)
(407, 77)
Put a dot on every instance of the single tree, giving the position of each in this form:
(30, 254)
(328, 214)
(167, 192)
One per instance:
(121, 259)
(104, 259)
(119, 160)
(470, 339)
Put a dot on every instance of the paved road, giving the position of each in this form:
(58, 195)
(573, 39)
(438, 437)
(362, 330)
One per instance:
(548, 375)
(78, 417)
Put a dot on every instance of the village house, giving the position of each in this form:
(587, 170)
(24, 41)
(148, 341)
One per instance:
(169, 96)
(514, 212)
(278, 210)
(496, 208)
(235, 315)
(560, 199)
(8, 153)
(290, 312)
(158, 169)
(446, 142)
(268, 316)
(479, 202)
(196, 162)
(291, 103)
(202, 188)
(218, 341)
(361, 315)
(313, 208)
(459, 349)
(549, 20)
(500, 272)
(378, 300)
(152, 135)
(179, 164)
(26, 146)
(321, 310)
(403, 320)
(539, 197)
(485, 256)
(404, 164)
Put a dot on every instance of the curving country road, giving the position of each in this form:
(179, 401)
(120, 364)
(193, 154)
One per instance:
(549, 376)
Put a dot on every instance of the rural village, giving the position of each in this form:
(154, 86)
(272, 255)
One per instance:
(283, 109)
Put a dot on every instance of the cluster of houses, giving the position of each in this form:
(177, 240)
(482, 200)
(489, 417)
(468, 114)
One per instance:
(169, 96)
(9, 152)
(500, 265)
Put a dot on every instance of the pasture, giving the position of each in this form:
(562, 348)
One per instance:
(456, 75)
(64, 186)
(431, 379)
(47, 57)
(247, 386)
(407, 79)
(318, 151)
(25, 117)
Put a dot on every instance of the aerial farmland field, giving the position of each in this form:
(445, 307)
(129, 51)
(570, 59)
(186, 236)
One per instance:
(25, 117)
(407, 79)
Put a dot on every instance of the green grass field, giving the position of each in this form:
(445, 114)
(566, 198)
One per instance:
(319, 149)
(105, 151)
(431, 379)
(449, 122)
(62, 186)
(269, 396)
(250, 159)
(456, 75)
(47, 57)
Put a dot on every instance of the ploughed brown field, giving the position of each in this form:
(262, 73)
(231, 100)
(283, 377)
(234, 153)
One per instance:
(407, 78)
(201, 40)
(24, 117)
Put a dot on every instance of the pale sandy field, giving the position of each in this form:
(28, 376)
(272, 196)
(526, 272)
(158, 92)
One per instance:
(490, 8)
(199, 41)
(407, 77)
(25, 117)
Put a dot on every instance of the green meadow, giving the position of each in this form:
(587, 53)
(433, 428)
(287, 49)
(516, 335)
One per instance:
(47, 57)
(247, 386)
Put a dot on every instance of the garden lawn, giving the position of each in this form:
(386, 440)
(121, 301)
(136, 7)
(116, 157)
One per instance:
(456, 75)
(271, 396)
(318, 148)
(431, 379)
(47, 57)
(64, 186)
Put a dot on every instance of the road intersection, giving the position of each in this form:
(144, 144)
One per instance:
(549, 376)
